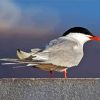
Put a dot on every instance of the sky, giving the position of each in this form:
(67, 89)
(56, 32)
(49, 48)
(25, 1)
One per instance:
(27, 24)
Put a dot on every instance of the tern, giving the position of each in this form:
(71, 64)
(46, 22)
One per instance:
(60, 54)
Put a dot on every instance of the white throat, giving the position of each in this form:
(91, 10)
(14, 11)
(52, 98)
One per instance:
(82, 38)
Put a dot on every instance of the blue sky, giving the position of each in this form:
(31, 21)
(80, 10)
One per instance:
(86, 8)
(45, 16)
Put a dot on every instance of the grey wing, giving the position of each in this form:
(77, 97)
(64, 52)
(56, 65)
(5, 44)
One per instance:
(18, 62)
(22, 63)
(36, 56)
(35, 64)
(55, 42)
(44, 55)
(65, 52)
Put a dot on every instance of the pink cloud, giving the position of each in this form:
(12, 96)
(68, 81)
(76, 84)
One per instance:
(34, 20)
(9, 14)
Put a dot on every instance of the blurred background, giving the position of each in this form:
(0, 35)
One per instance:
(28, 24)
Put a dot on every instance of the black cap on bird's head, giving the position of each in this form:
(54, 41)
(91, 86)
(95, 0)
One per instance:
(78, 30)
(82, 30)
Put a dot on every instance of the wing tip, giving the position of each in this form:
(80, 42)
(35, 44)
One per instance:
(18, 50)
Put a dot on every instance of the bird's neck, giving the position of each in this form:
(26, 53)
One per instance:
(81, 38)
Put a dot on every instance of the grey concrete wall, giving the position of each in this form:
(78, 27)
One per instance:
(49, 89)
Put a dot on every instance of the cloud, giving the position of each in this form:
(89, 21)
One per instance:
(9, 14)
(38, 21)
(31, 20)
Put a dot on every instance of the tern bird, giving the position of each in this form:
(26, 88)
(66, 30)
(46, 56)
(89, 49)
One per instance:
(60, 54)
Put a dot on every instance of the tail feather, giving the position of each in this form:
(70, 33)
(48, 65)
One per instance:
(9, 63)
(28, 59)
(25, 61)
(23, 55)
(31, 64)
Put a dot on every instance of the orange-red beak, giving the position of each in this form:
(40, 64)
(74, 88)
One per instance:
(95, 38)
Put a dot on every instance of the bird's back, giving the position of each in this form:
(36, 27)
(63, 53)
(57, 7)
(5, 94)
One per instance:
(65, 52)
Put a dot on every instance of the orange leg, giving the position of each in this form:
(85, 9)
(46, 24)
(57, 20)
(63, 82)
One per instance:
(65, 73)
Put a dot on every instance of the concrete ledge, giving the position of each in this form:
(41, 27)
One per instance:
(49, 89)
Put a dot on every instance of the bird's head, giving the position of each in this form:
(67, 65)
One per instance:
(82, 34)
